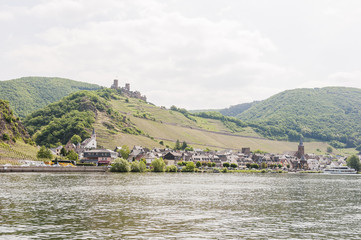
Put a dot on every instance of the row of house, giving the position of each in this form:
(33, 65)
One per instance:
(298, 160)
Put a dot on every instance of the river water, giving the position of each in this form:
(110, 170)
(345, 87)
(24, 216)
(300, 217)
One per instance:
(179, 206)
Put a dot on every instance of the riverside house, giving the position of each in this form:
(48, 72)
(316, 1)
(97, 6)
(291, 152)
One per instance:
(99, 156)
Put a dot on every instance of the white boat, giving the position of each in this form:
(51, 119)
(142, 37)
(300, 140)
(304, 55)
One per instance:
(340, 170)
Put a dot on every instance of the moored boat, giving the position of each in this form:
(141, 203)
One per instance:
(340, 170)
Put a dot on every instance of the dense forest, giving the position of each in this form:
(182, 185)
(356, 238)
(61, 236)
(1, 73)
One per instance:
(32, 93)
(329, 114)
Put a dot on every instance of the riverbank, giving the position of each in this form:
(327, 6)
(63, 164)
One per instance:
(52, 169)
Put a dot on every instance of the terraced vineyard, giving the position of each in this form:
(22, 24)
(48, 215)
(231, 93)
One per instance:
(160, 124)
(19, 151)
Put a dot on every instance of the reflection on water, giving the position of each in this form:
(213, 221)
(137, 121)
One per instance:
(169, 206)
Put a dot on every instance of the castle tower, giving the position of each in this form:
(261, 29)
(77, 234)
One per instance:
(115, 84)
(301, 149)
(127, 86)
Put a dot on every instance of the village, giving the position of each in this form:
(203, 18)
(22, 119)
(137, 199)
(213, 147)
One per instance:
(245, 159)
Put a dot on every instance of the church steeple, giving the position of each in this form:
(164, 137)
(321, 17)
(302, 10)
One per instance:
(93, 134)
(301, 149)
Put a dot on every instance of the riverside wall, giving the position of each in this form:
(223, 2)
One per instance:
(51, 169)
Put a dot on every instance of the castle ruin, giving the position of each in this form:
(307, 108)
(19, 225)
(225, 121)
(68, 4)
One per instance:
(126, 91)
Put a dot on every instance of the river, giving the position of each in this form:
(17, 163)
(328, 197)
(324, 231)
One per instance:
(179, 206)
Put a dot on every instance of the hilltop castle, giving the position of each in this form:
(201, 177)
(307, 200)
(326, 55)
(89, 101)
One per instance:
(126, 91)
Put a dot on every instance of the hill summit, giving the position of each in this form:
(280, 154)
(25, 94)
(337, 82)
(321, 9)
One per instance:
(328, 114)
(28, 94)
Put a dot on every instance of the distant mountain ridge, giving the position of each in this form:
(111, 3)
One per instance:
(236, 110)
(231, 111)
(28, 94)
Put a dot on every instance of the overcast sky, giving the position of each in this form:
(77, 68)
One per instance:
(195, 54)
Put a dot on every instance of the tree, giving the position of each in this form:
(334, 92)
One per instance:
(189, 167)
(161, 142)
(177, 145)
(63, 152)
(134, 166)
(142, 166)
(189, 149)
(44, 153)
(329, 149)
(254, 165)
(124, 152)
(72, 155)
(158, 165)
(6, 136)
(226, 164)
(75, 139)
(184, 145)
(234, 165)
(144, 161)
(354, 162)
(263, 165)
(171, 168)
(120, 165)
(198, 164)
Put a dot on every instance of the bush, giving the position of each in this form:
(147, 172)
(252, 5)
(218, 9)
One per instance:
(171, 168)
(158, 165)
(189, 167)
(226, 165)
(209, 164)
(137, 166)
(213, 164)
(263, 165)
(6, 136)
(254, 165)
(120, 165)
(224, 170)
(198, 164)
(142, 166)
(234, 165)
(134, 167)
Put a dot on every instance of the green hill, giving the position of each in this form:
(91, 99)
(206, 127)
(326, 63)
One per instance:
(31, 93)
(122, 120)
(327, 114)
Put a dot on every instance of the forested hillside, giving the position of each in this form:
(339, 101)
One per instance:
(11, 129)
(31, 93)
(74, 114)
(330, 114)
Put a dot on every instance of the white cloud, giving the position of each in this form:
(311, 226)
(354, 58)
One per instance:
(173, 58)
(164, 54)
